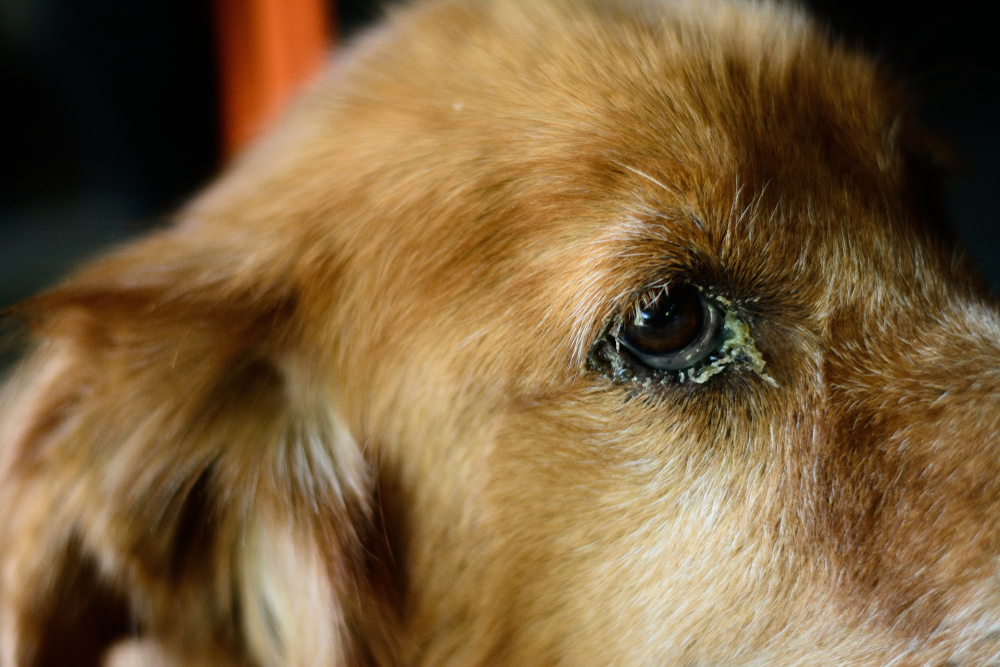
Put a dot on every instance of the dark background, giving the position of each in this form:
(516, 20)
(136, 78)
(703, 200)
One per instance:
(110, 119)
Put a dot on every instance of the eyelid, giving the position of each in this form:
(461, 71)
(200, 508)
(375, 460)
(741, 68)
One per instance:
(734, 350)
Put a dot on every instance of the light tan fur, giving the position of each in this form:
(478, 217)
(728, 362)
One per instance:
(362, 404)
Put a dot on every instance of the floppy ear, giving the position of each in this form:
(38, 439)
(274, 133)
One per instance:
(172, 466)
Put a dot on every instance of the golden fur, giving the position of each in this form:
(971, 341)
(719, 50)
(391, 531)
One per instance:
(362, 403)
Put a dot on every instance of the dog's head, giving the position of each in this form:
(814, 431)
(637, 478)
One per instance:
(541, 333)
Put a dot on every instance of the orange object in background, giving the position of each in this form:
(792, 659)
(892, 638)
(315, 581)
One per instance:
(267, 49)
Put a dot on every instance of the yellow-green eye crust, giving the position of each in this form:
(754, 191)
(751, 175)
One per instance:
(674, 331)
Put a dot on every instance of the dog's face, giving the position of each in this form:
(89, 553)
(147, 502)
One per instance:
(571, 334)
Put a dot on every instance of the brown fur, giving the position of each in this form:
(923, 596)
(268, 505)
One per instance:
(359, 405)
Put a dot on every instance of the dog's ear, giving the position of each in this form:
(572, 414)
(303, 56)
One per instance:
(172, 444)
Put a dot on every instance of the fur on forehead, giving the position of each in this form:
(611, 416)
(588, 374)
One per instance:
(521, 147)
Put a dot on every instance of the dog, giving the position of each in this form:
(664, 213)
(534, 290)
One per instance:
(538, 333)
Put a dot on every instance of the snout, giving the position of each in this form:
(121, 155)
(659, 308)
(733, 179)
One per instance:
(909, 488)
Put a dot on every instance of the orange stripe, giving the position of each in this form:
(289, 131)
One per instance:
(267, 49)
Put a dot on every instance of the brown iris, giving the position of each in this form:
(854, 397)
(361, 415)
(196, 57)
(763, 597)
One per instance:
(674, 331)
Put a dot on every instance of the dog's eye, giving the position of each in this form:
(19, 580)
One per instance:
(673, 331)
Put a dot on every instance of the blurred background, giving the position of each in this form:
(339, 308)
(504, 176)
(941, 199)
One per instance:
(113, 113)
